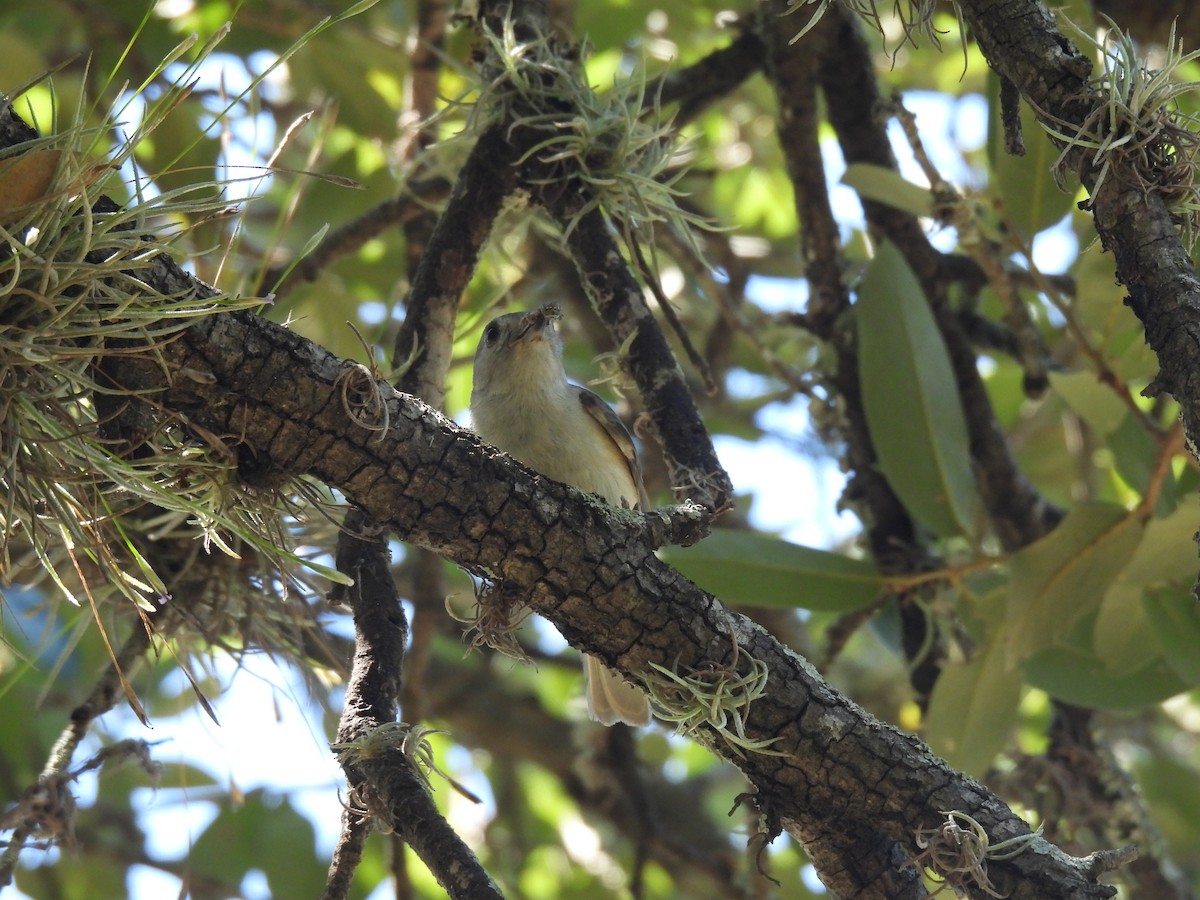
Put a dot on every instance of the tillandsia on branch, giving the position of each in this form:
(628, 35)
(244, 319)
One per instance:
(1024, 44)
(592, 161)
(422, 479)
(238, 374)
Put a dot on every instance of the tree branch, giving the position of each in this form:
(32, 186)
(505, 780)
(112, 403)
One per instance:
(382, 779)
(350, 236)
(590, 569)
(616, 295)
(1022, 42)
(709, 79)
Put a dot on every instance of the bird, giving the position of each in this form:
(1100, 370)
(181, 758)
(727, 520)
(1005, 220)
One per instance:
(523, 404)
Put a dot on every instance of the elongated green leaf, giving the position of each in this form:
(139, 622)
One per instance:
(1123, 636)
(887, 186)
(1065, 575)
(1167, 554)
(911, 398)
(748, 568)
(1025, 184)
(973, 705)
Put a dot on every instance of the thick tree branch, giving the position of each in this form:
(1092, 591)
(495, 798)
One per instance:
(1022, 42)
(590, 569)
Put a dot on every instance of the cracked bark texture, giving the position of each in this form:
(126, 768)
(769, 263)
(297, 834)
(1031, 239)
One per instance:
(850, 787)
(590, 569)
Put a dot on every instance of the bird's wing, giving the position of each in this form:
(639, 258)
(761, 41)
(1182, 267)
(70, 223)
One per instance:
(615, 429)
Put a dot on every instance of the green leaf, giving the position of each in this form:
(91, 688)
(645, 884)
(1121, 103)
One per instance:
(911, 398)
(974, 705)
(1065, 575)
(1135, 455)
(752, 569)
(87, 875)
(1167, 780)
(1025, 184)
(1167, 553)
(1126, 636)
(1123, 636)
(1073, 673)
(1175, 617)
(887, 186)
(1090, 399)
(272, 837)
(1127, 633)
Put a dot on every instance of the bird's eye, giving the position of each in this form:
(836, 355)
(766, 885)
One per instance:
(491, 333)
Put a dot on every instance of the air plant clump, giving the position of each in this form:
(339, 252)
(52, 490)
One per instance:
(959, 855)
(412, 741)
(715, 697)
(1138, 134)
(614, 148)
(73, 296)
(101, 492)
(915, 17)
(496, 619)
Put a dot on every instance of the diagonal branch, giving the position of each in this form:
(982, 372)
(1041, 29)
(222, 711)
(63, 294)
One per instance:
(616, 295)
(1022, 42)
(591, 570)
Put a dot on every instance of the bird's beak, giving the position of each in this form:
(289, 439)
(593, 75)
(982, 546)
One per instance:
(534, 324)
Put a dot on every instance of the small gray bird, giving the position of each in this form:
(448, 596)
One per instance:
(522, 403)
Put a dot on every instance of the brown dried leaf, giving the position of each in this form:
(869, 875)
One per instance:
(26, 179)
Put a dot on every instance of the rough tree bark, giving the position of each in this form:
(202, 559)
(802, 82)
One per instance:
(840, 781)
(832, 768)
